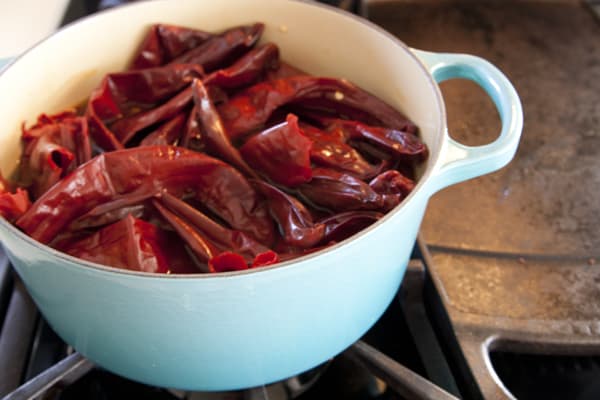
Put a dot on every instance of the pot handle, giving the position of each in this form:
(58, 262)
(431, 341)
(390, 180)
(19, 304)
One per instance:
(459, 162)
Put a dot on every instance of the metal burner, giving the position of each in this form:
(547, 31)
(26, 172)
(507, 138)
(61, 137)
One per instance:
(288, 389)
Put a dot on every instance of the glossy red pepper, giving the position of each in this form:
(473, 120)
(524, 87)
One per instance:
(54, 146)
(399, 144)
(341, 226)
(329, 149)
(220, 50)
(294, 219)
(226, 262)
(135, 245)
(267, 258)
(393, 187)
(123, 178)
(165, 42)
(169, 133)
(128, 102)
(192, 137)
(140, 89)
(12, 205)
(392, 182)
(282, 153)
(95, 219)
(126, 128)
(209, 253)
(125, 93)
(338, 191)
(203, 248)
(215, 139)
(247, 69)
(248, 110)
(219, 237)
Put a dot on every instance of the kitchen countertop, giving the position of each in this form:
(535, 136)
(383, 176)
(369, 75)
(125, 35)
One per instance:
(546, 201)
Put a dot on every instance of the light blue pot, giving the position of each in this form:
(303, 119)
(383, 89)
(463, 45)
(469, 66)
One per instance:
(237, 330)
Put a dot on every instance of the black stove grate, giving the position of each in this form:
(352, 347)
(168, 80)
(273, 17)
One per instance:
(18, 317)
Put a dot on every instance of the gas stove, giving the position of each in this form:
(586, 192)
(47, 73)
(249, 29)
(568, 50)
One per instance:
(501, 296)
(421, 348)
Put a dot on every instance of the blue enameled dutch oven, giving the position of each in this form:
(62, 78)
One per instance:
(242, 329)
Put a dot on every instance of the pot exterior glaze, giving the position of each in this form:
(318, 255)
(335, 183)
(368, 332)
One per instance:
(238, 330)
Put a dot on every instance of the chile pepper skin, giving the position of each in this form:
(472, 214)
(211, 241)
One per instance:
(399, 144)
(282, 153)
(338, 192)
(392, 182)
(125, 103)
(329, 149)
(139, 89)
(13, 205)
(249, 109)
(135, 245)
(215, 139)
(202, 248)
(165, 42)
(169, 133)
(126, 128)
(227, 261)
(392, 186)
(294, 219)
(267, 258)
(221, 49)
(54, 147)
(220, 237)
(341, 226)
(115, 179)
(248, 69)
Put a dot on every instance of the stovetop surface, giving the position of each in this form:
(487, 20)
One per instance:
(514, 253)
(545, 200)
(519, 245)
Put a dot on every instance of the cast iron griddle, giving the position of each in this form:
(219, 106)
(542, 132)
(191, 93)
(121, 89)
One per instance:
(515, 254)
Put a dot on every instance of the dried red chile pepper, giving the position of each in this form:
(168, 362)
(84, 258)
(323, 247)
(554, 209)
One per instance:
(215, 139)
(54, 146)
(218, 50)
(251, 108)
(282, 153)
(133, 244)
(248, 69)
(12, 205)
(116, 179)
(165, 42)
(211, 236)
(329, 149)
(210, 154)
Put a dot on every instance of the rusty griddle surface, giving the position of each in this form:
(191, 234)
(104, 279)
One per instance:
(513, 254)
(547, 199)
(559, 289)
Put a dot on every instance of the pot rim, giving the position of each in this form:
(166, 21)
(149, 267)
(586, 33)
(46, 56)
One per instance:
(420, 186)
